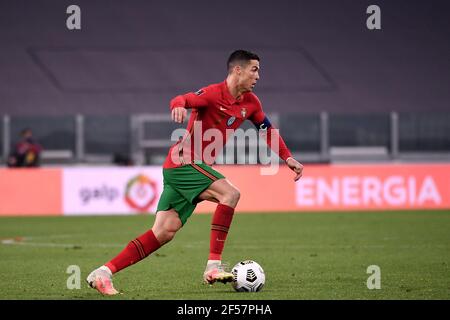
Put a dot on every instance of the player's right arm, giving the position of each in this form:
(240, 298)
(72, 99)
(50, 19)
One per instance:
(179, 104)
(271, 134)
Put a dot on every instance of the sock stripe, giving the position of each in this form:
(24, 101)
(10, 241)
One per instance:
(142, 248)
(139, 248)
(204, 172)
(219, 228)
(219, 225)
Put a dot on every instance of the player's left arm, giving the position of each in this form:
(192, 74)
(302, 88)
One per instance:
(262, 122)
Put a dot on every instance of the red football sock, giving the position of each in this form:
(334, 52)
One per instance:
(135, 251)
(219, 230)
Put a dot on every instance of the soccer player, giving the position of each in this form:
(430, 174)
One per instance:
(187, 172)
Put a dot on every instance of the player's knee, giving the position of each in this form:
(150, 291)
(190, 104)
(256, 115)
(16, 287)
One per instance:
(166, 231)
(231, 197)
(236, 195)
(165, 235)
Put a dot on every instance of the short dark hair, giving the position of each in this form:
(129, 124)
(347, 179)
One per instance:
(240, 57)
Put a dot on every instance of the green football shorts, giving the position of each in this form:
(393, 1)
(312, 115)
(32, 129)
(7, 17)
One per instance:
(182, 186)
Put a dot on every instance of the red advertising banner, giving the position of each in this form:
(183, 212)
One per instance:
(341, 187)
(30, 192)
(373, 187)
(322, 188)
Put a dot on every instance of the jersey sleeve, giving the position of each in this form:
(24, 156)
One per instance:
(270, 133)
(198, 99)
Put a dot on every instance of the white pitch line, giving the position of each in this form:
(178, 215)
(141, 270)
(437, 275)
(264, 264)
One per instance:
(57, 245)
(26, 241)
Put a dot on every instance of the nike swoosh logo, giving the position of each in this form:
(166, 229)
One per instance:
(222, 109)
(217, 239)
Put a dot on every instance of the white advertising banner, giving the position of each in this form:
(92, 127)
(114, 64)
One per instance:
(111, 190)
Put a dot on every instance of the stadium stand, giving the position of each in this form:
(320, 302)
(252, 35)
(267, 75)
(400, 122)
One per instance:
(335, 86)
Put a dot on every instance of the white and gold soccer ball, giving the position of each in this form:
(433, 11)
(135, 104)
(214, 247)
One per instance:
(248, 276)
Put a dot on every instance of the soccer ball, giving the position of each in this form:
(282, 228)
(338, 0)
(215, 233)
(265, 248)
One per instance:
(248, 276)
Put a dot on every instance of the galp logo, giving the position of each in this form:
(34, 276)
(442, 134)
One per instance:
(104, 192)
(141, 193)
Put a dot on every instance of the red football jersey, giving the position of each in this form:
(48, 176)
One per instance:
(215, 107)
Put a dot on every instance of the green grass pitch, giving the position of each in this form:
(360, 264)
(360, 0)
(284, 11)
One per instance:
(305, 256)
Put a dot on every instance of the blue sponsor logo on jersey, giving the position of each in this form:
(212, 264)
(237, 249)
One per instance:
(230, 121)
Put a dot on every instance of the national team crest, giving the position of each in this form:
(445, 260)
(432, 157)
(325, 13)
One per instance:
(243, 112)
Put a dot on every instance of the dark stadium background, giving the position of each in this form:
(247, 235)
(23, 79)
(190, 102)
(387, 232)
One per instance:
(339, 92)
